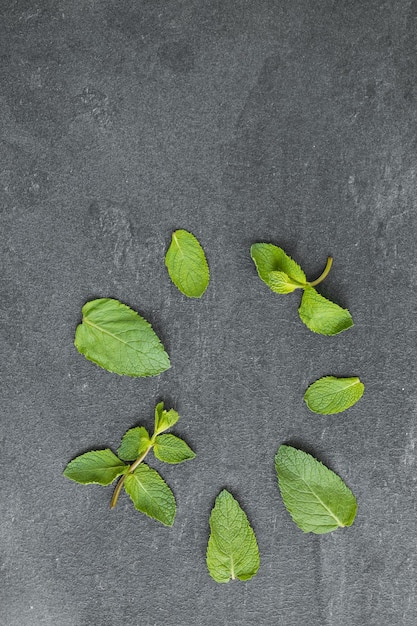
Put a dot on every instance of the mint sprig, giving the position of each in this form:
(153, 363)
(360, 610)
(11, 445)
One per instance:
(283, 275)
(147, 489)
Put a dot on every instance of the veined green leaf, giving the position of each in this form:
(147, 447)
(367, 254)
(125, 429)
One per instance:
(96, 466)
(187, 264)
(150, 494)
(278, 270)
(333, 395)
(316, 498)
(172, 449)
(116, 338)
(321, 315)
(232, 550)
(164, 419)
(134, 443)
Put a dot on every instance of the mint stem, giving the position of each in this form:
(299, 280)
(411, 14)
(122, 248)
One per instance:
(119, 485)
(323, 274)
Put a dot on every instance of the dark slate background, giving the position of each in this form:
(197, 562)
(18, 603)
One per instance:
(289, 121)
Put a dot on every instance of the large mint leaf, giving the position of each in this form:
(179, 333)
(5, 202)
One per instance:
(333, 395)
(116, 338)
(164, 419)
(96, 466)
(187, 265)
(134, 443)
(316, 498)
(172, 449)
(321, 315)
(232, 550)
(150, 494)
(278, 270)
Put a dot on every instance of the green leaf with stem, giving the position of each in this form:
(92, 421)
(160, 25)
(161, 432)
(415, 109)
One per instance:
(278, 270)
(330, 395)
(150, 494)
(164, 419)
(97, 466)
(119, 340)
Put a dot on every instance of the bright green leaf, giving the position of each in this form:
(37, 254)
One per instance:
(116, 338)
(164, 419)
(316, 498)
(278, 270)
(333, 395)
(96, 466)
(150, 494)
(232, 550)
(172, 449)
(134, 443)
(321, 315)
(187, 265)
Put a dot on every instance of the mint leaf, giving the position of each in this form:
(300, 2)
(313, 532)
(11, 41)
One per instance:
(172, 449)
(134, 443)
(96, 466)
(187, 265)
(321, 315)
(278, 270)
(333, 395)
(232, 550)
(150, 494)
(316, 498)
(164, 419)
(116, 338)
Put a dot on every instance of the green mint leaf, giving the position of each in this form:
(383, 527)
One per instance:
(164, 419)
(172, 449)
(316, 498)
(150, 494)
(96, 466)
(232, 550)
(321, 315)
(279, 282)
(278, 270)
(187, 265)
(116, 338)
(333, 395)
(134, 443)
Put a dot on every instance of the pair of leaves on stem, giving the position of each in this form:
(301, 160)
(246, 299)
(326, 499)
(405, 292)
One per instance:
(316, 498)
(147, 489)
(283, 275)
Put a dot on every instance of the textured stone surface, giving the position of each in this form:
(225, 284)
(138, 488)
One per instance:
(291, 122)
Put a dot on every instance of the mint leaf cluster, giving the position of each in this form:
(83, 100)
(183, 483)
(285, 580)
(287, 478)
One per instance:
(283, 275)
(147, 489)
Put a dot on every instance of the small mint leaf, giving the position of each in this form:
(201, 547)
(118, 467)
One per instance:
(232, 550)
(134, 443)
(330, 395)
(172, 449)
(164, 419)
(279, 282)
(316, 498)
(187, 264)
(270, 259)
(119, 340)
(96, 466)
(321, 315)
(150, 494)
